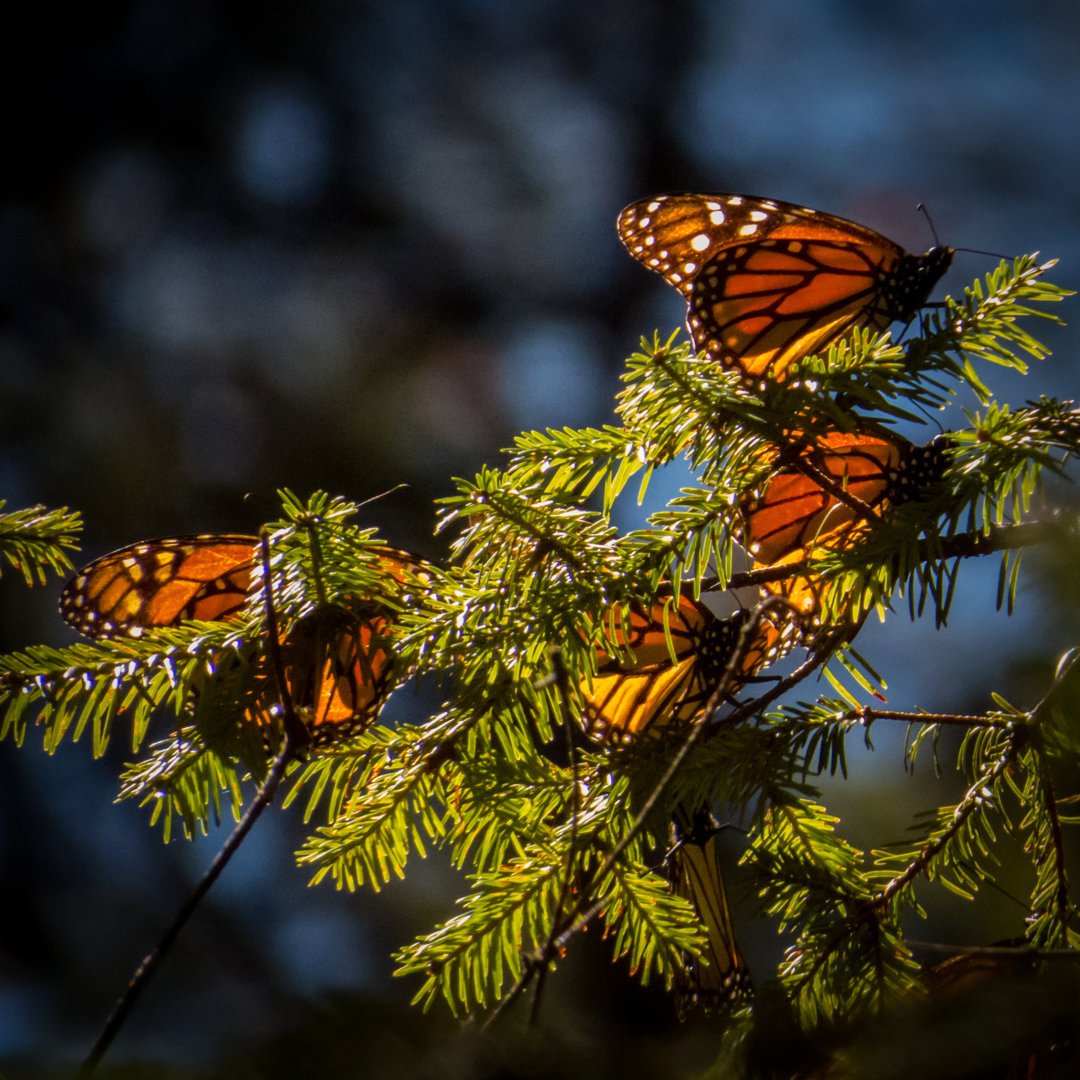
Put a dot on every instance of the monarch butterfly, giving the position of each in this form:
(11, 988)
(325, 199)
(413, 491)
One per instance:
(768, 282)
(666, 665)
(694, 873)
(338, 663)
(795, 512)
(794, 517)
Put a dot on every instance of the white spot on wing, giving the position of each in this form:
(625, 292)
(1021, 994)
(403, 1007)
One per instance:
(700, 242)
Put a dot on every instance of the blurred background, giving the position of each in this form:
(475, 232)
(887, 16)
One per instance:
(353, 245)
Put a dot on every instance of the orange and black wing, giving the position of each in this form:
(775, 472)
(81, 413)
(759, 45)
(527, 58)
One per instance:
(339, 668)
(794, 511)
(722, 980)
(768, 282)
(359, 669)
(666, 664)
(795, 517)
(338, 664)
(161, 583)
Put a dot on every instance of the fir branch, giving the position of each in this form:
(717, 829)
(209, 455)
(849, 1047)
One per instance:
(36, 540)
(956, 826)
(867, 714)
(467, 959)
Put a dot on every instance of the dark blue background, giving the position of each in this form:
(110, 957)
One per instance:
(347, 245)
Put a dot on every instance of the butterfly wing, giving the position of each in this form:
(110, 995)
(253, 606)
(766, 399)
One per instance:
(667, 664)
(794, 511)
(768, 282)
(160, 583)
(795, 518)
(337, 663)
(646, 675)
(722, 980)
(359, 671)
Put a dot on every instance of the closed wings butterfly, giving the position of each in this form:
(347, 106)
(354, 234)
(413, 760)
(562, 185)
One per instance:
(794, 511)
(719, 979)
(768, 282)
(665, 665)
(795, 517)
(338, 663)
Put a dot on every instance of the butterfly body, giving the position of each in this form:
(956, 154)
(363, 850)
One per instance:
(768, 282)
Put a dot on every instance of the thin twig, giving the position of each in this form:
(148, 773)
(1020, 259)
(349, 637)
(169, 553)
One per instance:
(716, 700)
(575, 920)
(972, 801)
(562, 683)
(961, 546)
(868, 715)
(296, 737)
(146, 969)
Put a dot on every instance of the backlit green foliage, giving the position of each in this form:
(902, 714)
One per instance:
(552, 831)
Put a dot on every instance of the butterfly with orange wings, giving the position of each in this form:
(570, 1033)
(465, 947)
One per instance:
(795, 516)
(693, 868)
(665, 662)
(768, 282)
(338, 664)
(665, 665)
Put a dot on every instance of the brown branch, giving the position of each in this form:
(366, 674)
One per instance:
(868, 715)
(150, 963)
(961, 546)
(972, 801)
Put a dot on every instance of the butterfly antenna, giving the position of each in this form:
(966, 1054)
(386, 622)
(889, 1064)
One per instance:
(382, 494)
(920, 208)
(929, 416)
(990, 254)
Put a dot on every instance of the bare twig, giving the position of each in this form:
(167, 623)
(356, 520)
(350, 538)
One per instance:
(150, 963)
